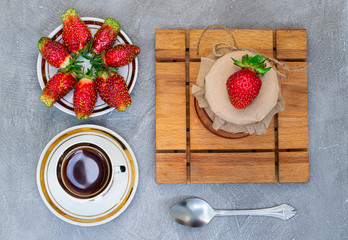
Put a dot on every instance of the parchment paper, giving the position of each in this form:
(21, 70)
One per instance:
(210, 91)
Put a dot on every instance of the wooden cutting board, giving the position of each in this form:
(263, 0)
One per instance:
(186, 152)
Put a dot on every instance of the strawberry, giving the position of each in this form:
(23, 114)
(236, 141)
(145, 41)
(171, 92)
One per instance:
(76, 35)
(106, 36)
(57, 87)
(113, 90)
(120, 55)
(85, 97)
(55, 53)
(101, 84)
(244, 86)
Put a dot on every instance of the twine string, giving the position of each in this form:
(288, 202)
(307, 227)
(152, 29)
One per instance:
(236, 48)
(219, 26)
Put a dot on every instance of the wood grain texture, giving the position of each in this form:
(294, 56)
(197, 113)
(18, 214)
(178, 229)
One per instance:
(171, 168)
(293, 167)
(291, 43)
(259, 39)
(203, 139)
(170, 44)
(232, 167)
(170, 106)
(233, 159)
(293, 121)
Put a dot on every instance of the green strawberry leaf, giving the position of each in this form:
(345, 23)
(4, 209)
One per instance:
(245, 59)
(95, 62)
(262, 71)
(255, 59)
(238, 63)
(99, 74)
(113, 69)
(86, 57)
(105, 74)
(76, 66)
(262, 62)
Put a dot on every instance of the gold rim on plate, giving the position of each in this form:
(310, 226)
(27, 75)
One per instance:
(46, 160)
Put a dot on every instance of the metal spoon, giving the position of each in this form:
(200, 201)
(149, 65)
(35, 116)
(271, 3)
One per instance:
(195, 212)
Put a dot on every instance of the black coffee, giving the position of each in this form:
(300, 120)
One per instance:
(86, 172)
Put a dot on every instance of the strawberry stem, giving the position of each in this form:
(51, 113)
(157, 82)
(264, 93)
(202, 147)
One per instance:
(255, 63)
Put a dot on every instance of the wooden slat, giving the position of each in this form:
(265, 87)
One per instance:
(232, 167)
(203, 139)
(170, 106)
(293, 167)
(293, 122)
(223, 166)
(171, 168)
(170, 44)
(291, 43)
(259, 39)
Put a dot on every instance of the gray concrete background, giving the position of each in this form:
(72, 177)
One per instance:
(26, 125)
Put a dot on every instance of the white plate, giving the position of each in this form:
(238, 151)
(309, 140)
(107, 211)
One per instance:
(45, 71)
(84, 212)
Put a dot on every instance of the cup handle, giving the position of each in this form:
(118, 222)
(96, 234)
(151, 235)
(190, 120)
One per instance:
(119, 169)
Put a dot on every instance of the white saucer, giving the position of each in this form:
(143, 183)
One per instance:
(84, 212)
(45, 72)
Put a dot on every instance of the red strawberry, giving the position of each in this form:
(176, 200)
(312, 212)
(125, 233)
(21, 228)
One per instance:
(55, 53)
(113, 90)
(101, 83)
(85, 97)
(57, 87)
(106, 36)
(244, 86)
(120, 55)
(76, 35)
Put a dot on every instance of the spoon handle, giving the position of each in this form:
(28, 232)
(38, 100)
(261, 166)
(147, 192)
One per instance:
(283, 211)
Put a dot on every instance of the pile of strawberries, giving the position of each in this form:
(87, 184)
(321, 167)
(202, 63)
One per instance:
(101, 78)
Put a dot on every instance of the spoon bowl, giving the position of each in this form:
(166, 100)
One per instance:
(192, 212)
